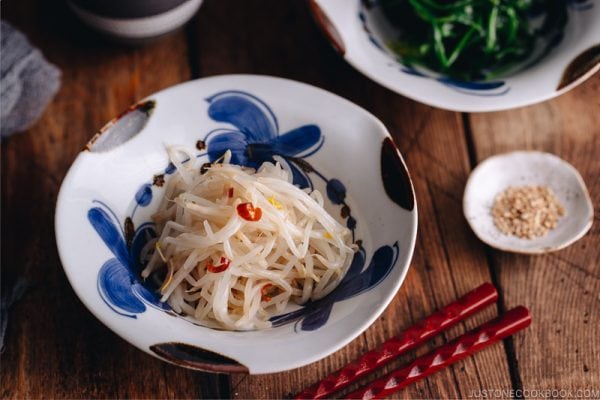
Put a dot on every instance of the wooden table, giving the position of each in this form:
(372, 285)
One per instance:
(55, 348)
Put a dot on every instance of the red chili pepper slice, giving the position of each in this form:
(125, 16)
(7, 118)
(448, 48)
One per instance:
(249, 212)
(224, 264)
(268, 291)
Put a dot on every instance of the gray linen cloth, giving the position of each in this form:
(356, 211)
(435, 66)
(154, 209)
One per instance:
(27, 81)
(27, 84)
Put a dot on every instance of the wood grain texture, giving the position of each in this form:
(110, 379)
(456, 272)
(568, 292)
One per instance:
(55, 347)
(560, 350)
(448, 260)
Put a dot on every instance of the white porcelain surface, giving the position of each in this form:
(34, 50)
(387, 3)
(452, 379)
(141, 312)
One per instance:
(523, 168)
(113, 173)
(364, 32)
(139, 28)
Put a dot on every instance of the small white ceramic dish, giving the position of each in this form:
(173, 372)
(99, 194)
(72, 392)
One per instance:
(523, 168)
(115, 184)
(361, 33)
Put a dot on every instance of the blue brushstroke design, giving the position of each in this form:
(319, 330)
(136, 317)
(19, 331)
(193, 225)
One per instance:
(471, 85)
(315, 314)
(299, 177)
(143, 196)
(149, 296)
(482, 89)
(119, 282)
(256, 138)
(170, 168)
(115, 219)
(115, 287)
(479, 93)
(336, 191)
(109, 233)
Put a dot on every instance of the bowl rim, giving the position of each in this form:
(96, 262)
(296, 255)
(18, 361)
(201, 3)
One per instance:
(332, 33)
(70, 272)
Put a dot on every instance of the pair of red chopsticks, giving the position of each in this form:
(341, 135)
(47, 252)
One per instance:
(491, 332)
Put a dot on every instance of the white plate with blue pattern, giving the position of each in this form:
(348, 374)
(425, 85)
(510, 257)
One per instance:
(115, 184)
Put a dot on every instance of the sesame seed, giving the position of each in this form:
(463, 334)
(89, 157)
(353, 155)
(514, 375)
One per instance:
(527, 211)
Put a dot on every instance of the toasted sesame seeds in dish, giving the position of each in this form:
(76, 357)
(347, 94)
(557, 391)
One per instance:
(527, 202)
(527, 211)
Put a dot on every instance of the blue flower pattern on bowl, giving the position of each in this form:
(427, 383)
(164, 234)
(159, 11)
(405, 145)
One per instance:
(256, 137)
(119, 282)
(253, 138)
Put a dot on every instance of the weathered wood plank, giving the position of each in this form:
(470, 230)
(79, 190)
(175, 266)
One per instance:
(560, 349)
(241, 37)
(60, 350)
(55, 347)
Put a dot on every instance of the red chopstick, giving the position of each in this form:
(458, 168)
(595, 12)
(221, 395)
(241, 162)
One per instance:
(491, 332)
(419, 333)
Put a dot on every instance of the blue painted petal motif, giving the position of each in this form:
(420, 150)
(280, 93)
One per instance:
(381, 265)
(145, 291)
(170, 168)
(109, 233)
(143, 197)
(299, 177)
(315, 314)
(248, 113)
(472, 85)
(336, 191)
(357, 264)
(221, 140)
(283, 319)
(297, 141)
(118, 279)
(257, 139)
(149, 297)
(114, 285)
(318, 317)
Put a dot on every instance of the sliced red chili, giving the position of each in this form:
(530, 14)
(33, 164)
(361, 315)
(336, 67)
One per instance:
(249, 212)
(268, 291)
(224, 264)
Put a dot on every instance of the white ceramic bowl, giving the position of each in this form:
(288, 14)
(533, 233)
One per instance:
(360, 32)
(134, 22)
(524, 168)
(115, 184)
